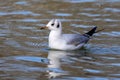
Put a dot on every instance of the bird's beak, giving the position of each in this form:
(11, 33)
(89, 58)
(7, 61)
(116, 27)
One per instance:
(45, 27)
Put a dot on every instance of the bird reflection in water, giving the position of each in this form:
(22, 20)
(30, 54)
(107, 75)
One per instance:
(56, 58)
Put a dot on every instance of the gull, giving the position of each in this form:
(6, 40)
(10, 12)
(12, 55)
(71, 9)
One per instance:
(58, 40)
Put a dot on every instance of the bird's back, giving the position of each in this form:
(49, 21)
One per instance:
(75, 39)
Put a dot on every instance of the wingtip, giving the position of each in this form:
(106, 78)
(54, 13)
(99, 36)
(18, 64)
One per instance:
(92, 31)
(95, 27)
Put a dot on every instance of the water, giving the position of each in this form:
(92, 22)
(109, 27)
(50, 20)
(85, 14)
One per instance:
(24, 54)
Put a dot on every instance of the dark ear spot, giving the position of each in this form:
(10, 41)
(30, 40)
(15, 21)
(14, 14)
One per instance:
(58, 26)
(52, 24)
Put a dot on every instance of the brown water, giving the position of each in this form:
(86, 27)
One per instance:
(24, 54)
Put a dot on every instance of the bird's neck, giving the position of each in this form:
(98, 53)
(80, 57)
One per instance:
(55, 34)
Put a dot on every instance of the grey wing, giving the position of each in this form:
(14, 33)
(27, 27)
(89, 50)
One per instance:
(77, 39)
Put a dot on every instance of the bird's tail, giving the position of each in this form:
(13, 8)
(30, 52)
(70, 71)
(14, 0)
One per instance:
(92, 31)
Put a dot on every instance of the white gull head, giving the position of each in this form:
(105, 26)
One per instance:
(54, 24)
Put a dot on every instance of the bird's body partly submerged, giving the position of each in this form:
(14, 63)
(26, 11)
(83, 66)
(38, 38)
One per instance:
(67, 41)
(60, 41)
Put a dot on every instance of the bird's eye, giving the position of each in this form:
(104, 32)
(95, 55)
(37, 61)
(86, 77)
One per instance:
(52, 24)
(58, 26)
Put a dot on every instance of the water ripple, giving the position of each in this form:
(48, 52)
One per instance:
(4, 33)
(20, 46)
(22, 12)
(112, 10)
(112, 33)
(32, 59)
(90, 15)
(93, 71)
(35, 44)
(79, 1)
(81, 26)
(104, 49)
(27, 20)
(63, 14)
(25, 27)
(21, 3)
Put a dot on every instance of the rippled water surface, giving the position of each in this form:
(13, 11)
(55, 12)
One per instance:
(24, 53)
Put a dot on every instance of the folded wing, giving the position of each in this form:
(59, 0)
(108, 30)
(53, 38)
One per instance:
(76, 39)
